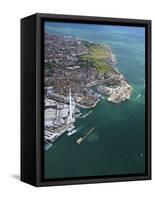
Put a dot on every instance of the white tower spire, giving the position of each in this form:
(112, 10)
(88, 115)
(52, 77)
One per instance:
(70, 105)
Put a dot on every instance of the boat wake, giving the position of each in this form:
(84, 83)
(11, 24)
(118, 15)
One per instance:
(93, 137)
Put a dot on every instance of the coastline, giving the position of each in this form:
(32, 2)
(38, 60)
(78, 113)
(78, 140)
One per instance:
(104, 75)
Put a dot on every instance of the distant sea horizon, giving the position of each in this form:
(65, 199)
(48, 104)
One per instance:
(117, 146)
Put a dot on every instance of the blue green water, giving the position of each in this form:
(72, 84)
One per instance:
(117, 146)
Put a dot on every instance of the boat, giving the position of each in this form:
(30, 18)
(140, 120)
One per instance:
(81, 139)
(71, 128)
(72, 132)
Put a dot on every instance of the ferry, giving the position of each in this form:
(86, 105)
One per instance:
(71, 128)
(81, 139)
(72, 132)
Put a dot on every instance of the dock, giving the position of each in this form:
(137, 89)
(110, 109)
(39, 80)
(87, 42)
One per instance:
(81, 139)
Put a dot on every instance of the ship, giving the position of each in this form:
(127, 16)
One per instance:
(73, 131)
(71, 128)
(81, 139)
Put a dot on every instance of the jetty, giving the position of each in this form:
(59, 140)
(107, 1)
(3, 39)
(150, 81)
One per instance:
(81, 139)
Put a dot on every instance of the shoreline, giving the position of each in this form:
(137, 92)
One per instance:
(106, 77)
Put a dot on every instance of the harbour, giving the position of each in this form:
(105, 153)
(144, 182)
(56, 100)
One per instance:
(112, 148)
(59, 118)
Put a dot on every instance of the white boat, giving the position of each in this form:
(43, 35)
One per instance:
(72, 132)
(81, 139)
(71, 128)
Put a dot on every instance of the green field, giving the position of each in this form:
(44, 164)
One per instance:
(98, 56)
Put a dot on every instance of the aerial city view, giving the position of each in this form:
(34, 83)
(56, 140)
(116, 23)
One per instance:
(94, 100)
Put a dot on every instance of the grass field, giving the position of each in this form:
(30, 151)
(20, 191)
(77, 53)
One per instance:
(97, 56)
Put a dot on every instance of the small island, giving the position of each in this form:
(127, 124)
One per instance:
(77, 73)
